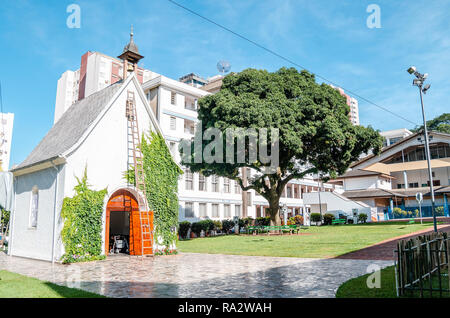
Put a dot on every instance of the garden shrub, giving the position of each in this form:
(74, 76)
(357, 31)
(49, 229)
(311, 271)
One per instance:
(327, 218)
(183, 228)
(362, 217)
(262, 221)
(197, 228)
(217, 225)
(207, 225)
(316, 217)
(227, 225)
(82, 230)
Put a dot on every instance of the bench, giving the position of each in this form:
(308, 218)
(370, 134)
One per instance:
(412, 221)
(338, 221)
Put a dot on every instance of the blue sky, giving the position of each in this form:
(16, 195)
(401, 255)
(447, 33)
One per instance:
(327, 37)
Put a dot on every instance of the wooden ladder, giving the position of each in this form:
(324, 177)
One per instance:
(135, 156)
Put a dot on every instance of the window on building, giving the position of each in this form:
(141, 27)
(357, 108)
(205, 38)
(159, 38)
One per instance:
(201, 182)
(436, 183)
(237, 187)
(202, 210)
(173, 98)
(226, 185)
(215, 183)
(189, 210)
(188, 180)
(413, 184)
(400, 186)
(296, 194)
(190, 103)
(173, 147)
(215, 210)
(34, 207)
(226, 211)
(173, 123)
(189, 126)
(237, 210)
(289, 191)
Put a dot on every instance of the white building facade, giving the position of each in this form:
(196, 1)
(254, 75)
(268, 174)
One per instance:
(6, 132)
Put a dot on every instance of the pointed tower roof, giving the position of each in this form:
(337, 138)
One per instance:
(131, 51)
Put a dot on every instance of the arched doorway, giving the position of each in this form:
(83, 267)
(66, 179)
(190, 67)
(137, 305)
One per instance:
(123, 220)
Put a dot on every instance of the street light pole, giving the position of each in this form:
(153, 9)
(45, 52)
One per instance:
(427, 150)
(420, 78)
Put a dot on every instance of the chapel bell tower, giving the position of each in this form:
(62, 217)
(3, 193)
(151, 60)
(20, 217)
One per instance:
(130, 57)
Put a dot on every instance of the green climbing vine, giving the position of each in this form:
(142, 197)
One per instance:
(82, 231)
(161, 181)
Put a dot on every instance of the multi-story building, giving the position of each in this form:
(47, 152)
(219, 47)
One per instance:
(96, 72)
(395, 135)
(6, 130)
(193, 80)
(394, 177)
(353, 115)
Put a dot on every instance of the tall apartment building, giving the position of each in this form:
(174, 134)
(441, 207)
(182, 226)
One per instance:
(353, 104)
(96, 72)
(6, 130)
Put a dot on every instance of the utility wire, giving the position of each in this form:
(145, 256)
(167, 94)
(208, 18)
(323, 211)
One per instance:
(289, 61)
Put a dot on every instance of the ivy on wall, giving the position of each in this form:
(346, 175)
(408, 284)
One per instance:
(82, 231)
(161, 181)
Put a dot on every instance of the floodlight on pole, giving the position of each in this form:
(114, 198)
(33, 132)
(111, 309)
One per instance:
(418, 81)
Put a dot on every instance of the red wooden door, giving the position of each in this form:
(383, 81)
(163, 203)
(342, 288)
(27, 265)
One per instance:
(121, 200)
(135, 234)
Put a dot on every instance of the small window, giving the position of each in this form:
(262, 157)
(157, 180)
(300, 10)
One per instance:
(237, 210)
(215, 210)
(226, 211)
(34, 206)
(188, 210)
(226, 185)
(237, 187)
(201, 182)
(173, 123)
(202, 210)
(188, 179)
(215, 183)
(173, 98)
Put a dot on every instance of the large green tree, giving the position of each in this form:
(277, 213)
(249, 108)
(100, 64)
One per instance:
(440, 123)
(315, 133)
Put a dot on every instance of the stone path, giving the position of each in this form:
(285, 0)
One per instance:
(385, 250)
(198, 275)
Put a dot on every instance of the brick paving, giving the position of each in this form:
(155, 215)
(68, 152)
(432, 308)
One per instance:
(385, 250)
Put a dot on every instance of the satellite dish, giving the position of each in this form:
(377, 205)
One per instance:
(223, 67)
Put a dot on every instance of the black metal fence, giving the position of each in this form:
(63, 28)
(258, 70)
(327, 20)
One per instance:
(422, 266)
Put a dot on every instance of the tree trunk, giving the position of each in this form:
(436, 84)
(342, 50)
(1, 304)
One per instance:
(274, 210)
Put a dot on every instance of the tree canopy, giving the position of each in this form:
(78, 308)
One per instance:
(315, 133)
(440, 123)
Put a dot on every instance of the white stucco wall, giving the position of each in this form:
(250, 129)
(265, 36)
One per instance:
(37, 242)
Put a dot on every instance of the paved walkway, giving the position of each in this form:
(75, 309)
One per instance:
(198, 275)
(385, 250)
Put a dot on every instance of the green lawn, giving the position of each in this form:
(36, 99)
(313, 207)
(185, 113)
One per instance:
(13, 285)
(321, 241)
(357, 287)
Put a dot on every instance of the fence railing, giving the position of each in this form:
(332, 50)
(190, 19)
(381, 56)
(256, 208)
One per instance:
(422, 265)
